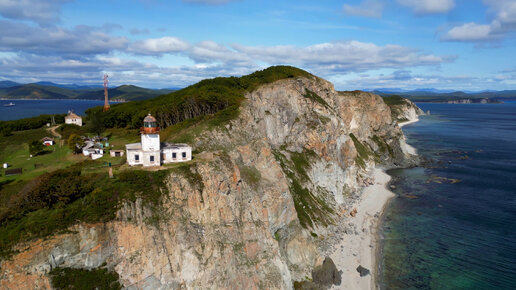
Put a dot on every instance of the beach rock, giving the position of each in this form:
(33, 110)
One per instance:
(326, 274)
(363, 271)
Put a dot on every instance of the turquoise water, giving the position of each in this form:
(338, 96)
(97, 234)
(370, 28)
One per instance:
(453, 224)
(31, 108)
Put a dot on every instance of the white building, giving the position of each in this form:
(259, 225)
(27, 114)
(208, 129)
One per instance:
(72, 118)
(151, 152)
(93, 150)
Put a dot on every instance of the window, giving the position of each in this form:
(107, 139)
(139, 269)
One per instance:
(174, 155)
(136, 157)
(184, 154)
(152, 158)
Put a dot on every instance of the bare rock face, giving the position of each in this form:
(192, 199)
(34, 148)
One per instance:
(276, 177)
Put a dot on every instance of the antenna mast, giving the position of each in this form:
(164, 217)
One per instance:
(106, 103)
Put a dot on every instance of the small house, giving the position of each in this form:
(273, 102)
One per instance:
(47, 141)
(73, 119)
(116, 153)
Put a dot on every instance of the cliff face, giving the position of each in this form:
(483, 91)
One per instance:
(251, 211)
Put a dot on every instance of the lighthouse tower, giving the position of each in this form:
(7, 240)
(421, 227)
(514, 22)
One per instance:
(150, 142)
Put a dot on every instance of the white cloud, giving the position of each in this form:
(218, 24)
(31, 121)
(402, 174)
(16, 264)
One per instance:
(82, 40)
(503, 22)
(39, 11)
(342, 56)
(469, 32)
(428, 6)
(405, 79)
(158, 46)
(368, 8)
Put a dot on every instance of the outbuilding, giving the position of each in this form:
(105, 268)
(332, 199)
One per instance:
(73, 119)
(47, 141)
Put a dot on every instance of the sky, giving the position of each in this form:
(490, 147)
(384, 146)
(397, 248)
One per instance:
(364, 44)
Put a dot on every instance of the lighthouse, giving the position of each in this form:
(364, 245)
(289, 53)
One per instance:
(151, 152)
(150, 142)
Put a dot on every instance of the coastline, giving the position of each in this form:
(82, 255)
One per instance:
(361, 246)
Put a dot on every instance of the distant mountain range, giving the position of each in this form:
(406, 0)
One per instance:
(49, 90)
(435, 95)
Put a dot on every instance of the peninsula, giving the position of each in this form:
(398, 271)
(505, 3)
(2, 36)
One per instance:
(284, 189)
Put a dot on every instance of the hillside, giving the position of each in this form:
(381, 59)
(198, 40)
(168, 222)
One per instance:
(280, 157)
(42, 90)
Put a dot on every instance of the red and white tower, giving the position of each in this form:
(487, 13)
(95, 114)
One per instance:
(106, 103)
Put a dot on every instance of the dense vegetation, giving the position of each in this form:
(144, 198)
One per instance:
(215, 99)
(81, 279)
(6, 127)
(54, 201)
(394, 100)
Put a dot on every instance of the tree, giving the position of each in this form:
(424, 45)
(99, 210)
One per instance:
(75, 143)
(35, 147)
(97, 123)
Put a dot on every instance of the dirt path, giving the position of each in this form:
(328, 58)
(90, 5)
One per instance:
(52, 131)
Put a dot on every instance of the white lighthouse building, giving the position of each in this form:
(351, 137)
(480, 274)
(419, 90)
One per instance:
(151, 152)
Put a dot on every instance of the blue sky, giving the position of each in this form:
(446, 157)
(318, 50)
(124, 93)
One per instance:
(363, 44)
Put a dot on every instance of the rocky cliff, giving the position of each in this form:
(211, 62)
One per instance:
(254, 207)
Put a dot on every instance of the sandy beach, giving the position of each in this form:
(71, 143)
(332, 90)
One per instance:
(359, 247)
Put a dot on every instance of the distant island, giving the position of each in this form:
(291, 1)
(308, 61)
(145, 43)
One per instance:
(451, 97)
(10, 90)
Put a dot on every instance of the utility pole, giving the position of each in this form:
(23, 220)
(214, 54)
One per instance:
(106, 103)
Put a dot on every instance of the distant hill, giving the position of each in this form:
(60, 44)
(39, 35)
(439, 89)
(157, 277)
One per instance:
(48, 90)
(440, 96)
(7, 84)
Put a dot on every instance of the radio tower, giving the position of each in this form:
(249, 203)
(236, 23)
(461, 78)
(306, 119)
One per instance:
(106, 103)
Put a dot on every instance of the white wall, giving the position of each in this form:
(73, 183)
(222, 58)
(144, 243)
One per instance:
(75, 121)
(179, 157)
(150, 142)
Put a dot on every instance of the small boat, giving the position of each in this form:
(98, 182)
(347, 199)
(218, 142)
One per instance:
(11, 104)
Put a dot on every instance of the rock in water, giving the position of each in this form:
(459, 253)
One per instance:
(363, 271)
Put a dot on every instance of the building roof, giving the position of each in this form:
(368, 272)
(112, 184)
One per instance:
(133, 146)
(72, 115)
(150, 118)
(174, 145)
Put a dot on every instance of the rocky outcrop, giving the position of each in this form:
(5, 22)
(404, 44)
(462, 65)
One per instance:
(255, 214)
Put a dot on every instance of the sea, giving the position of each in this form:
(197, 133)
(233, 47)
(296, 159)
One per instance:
(32, 108)
(453, 222)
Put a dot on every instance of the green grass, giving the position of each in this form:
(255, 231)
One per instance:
(14, 150)
(315, 97)
(82, 279)
(362, 150)
(311, 209)
(250, 175)
(394, 100)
